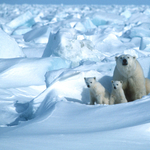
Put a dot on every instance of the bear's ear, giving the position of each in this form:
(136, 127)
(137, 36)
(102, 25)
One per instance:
(121, 81)
(94, 78)
(112, 81)
(134, 57)
(116, 58)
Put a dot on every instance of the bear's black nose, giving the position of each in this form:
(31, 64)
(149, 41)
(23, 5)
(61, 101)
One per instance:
(88, 86)
(115, 87)
(124, 62)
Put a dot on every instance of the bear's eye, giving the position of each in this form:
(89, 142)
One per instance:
(117, 84)
(90, 82)
(120, 57)
(128, 57)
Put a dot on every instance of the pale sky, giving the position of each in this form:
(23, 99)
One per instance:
(73, 2)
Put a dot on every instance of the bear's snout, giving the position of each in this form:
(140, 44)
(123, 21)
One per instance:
(88, 86)
(124, 62)
(115, 87)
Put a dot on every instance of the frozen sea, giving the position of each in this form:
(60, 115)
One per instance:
(45, 53)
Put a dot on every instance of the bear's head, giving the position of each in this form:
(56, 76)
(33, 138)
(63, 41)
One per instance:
(125, 60)
(126, 64)
(116, 84)
(90, 81)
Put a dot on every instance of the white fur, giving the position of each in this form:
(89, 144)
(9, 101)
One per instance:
(132, 77)
(147, 84)
(98, 93)
(117, 94)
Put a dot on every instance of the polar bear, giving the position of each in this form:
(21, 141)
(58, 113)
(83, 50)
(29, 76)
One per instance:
(130, 72)
(98, 93)
(117, 94)
(147, 84)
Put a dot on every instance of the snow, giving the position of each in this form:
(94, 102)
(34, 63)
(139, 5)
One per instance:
(21, 69)
(11, 50)
(46, 51)
(35, 33)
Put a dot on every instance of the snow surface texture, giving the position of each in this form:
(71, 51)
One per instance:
(46, 52)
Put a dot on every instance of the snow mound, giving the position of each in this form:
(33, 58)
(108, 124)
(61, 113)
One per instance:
(28, 71)
(8, 47)
(66, 45)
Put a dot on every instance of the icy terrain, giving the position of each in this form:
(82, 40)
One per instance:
(45, 53)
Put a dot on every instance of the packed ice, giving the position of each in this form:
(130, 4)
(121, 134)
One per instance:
(45, 53)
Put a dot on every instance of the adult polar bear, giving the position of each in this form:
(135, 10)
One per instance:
(131, 73)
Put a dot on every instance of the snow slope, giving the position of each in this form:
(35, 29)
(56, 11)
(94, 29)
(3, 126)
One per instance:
(49, 50)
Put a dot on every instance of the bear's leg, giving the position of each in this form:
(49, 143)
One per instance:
(92, 99)
(123, 101)
(147, 84)
(112, 100)
(136, 89)
(99, 99)
(140, 91)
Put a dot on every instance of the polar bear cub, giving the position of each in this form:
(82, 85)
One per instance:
(117, 94)
(98, 93)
